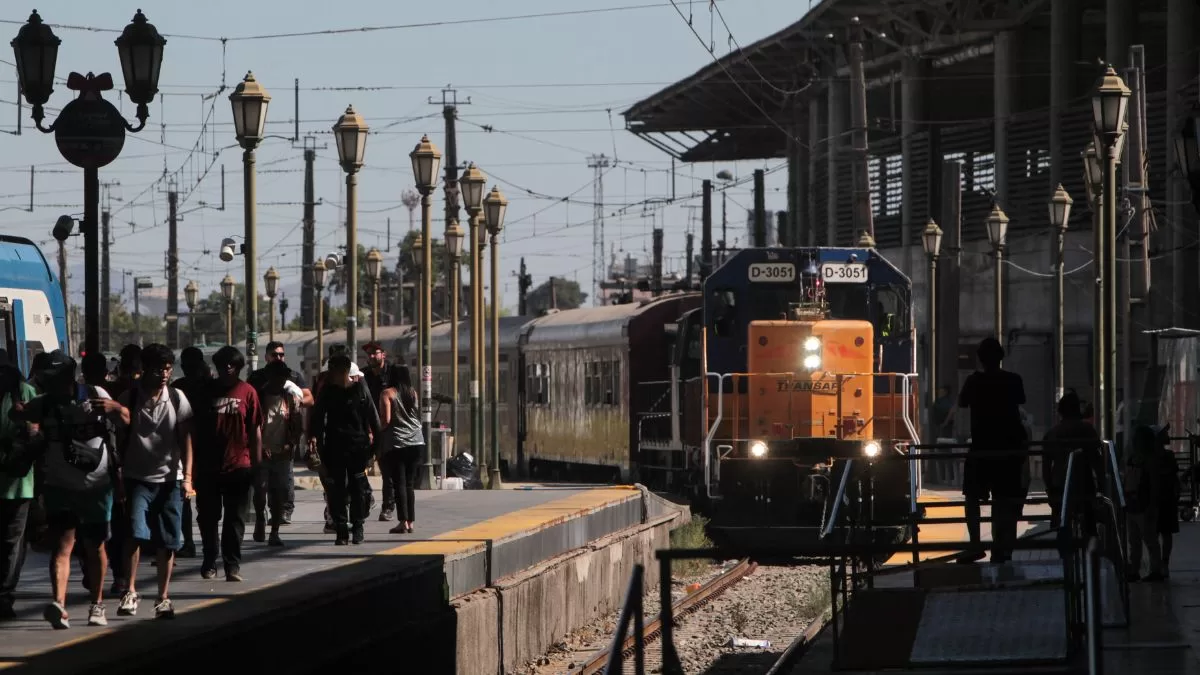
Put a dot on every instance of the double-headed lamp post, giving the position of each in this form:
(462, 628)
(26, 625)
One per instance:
(271, 280)
(472, 184)
(249, 102)
(89, 131)
(931, 241)
(374, 268)
(1109, 105)
(191, 295)
(1060, 214)
(454, 246)
(494, 208)
(318, 276)
(426, 160)
(997, 232)
(350, 132)
(227, 286)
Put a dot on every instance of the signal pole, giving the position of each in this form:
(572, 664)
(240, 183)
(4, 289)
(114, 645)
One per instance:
(307, 318)
(863, 217)
(105, 283)
(524, 281)
(599, 163)
(173, 269)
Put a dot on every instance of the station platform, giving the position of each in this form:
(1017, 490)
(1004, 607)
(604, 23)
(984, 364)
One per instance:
(394, 590)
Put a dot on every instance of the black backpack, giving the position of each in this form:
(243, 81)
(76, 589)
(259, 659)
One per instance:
(350, 421)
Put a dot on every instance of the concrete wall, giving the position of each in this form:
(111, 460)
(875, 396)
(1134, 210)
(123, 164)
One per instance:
(520, 617)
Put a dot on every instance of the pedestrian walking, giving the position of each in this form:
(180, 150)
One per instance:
(344, 423)
(129, 371)
(283, 427)
(296, 385)
(993, 468)
(81, 477)
(196, 384)
(375, 376)
(157, 473)
(16, 488)
(1071, 434)
(1143, 487)
(356, 379)
(1168, 499)
(402, 443)
(225, 471)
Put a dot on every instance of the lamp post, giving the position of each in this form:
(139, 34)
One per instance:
(350, 132)
(494, 208)
(426, 159)
(1109, 105)
(227, 285)
(249, 101)
(931, 241)
(374, 267)
(191, 294)
(997, 231)
(89, 131)
(271, 280)
(1093, 176)
(472, 184)
(454, 245)
(139, 284)
(1060, 214)
(318, 270)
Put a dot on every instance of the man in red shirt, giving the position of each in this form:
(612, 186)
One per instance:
(224, 471)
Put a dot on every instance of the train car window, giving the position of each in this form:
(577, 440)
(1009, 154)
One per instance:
(537, 377)
(847, 301)
(32, 349)
(615, 385)
(503, 386)
(725, 316)
(890, 312)
(8, 329)
(606, 393)
(591, 384)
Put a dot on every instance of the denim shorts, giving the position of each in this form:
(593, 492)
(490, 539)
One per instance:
(155, 513)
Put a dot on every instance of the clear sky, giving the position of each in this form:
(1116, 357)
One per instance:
(553, 87)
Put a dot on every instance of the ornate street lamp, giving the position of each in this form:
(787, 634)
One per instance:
(494, 208)
(1060, 215)
(454, 246)
(997, 231)
(271, 280)
(249, 101)
(318, 276)
(426, 160)
(374, 269)
(227, 286)
(191, 294)
(89, 131)
(931, 241)
(472, 184)
(350, 132)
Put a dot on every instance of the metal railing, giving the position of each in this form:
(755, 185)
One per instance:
(632, 612)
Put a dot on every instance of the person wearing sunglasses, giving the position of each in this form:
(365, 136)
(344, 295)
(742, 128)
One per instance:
(295, 386)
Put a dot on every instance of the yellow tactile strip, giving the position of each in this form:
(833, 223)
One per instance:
(936, 532)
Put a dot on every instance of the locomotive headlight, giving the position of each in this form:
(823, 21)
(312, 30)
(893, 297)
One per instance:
(871, 449)
(812, 344)
(758, 449)
(812, 362)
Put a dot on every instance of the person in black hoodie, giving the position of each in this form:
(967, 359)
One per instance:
(1070, 434)
(344, 424)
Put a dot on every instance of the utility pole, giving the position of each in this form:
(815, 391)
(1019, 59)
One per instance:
(598, 163)
(863, 218)
(657, 282)
(173, 268)
(760, 209)
(105, 283)
(62, 281)
(450, 105)
(1135, 251)
(308, 245)
(688, 263)
(706, 262)
(524, 281)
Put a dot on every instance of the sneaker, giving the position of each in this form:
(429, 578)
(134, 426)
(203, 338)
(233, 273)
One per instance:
(274, 539)
(56, 614)
(387, 514)
(399, 529)
(234, 577)
(96, 615)
(357, 537)
(129, 604)
(164, 609)
(341, 541)
(208, 573)
(287, 518)
(6, 610)
(260, 530)
(329, 528)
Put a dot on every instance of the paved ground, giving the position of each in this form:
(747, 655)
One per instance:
(306, 550)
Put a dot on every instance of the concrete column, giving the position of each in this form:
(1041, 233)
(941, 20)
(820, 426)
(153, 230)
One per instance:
(1120, 23)
(815, 143)
(1181, 67)
(912, 97)
(1002, 106)
(835, 98)
(1063, 24)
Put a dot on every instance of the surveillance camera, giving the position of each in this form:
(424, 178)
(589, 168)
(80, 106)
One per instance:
(227, 249)
(332, 261)
(63, 228)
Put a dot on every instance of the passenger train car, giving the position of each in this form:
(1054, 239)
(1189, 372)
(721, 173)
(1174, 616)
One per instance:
(32, 308)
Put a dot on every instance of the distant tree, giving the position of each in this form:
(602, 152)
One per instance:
(124, 330)
(567, 295)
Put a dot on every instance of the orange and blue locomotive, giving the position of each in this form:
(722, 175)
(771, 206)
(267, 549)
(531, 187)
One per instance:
(806, 370)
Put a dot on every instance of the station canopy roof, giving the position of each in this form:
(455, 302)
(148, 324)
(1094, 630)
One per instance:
(743, 105)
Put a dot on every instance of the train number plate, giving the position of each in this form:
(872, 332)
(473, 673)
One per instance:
(772, 272)
(844, 273)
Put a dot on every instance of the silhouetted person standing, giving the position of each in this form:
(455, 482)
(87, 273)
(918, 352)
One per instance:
(993, 470)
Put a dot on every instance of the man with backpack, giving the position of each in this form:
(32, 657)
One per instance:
(344, 423)
(157, 473)
(16, 490)
(283, 425)
(80, 478)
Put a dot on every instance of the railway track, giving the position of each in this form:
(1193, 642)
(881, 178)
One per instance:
(685, 606)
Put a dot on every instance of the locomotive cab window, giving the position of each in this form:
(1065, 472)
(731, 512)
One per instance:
(725, 314)
(889, 309)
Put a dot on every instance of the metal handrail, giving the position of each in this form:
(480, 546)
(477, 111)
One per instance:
(838, 498)
(1094, 623)
(712, 432)
(1119, 487)
(631, 612)
(1066, 498)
